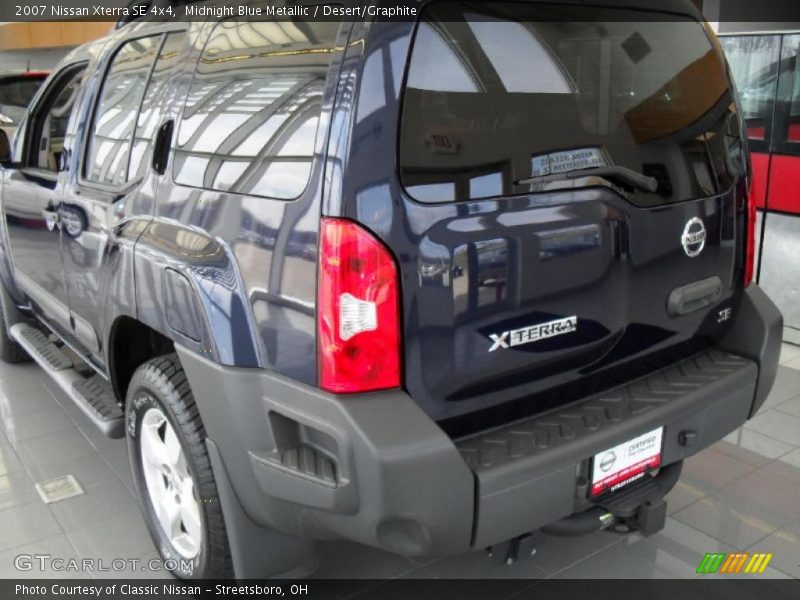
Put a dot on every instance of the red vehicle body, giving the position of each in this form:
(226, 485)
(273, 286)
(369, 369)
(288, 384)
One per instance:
(766, 72)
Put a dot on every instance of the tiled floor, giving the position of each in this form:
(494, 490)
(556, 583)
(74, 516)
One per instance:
(741, 494)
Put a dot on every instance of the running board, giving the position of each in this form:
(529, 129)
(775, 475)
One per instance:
(93, 395)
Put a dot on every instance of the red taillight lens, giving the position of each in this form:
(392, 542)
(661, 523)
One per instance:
(358, 316)
(750, 255)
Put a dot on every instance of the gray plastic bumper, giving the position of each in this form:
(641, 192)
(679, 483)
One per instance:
(537, 469)
(398, 481)
(375, 468)
(757, 334)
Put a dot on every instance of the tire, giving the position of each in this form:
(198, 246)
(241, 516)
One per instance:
(10, 351)
(159, 401)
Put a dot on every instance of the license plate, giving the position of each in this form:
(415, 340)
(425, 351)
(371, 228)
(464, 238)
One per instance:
(621, 465)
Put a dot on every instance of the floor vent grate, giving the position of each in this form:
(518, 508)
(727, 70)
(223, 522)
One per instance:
(59, 489)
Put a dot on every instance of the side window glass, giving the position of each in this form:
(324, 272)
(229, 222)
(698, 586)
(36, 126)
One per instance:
(156, 96)
(250, 121)
(16, 93)
(451, 75)
(109, 145)
(788, 113)
(50, 120)
(754, 64)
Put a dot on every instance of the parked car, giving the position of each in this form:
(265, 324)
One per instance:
(765, 69)
(427, 286)
(16, 93)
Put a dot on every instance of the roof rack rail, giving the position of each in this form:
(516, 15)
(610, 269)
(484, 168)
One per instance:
(135, 16)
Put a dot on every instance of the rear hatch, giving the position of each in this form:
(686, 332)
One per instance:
(574, 183)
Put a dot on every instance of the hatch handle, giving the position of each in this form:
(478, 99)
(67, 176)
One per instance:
(694, 296)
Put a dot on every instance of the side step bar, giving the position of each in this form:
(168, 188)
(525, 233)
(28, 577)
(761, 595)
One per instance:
(93, 395)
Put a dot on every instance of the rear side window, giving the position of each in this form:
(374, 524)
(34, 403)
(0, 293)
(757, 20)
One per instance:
(158, 95)
(250, 121)
(524, 98)
(109, 147)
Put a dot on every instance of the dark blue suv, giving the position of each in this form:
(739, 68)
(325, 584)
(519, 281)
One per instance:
(428, 285)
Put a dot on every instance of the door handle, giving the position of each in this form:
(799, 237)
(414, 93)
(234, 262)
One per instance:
(51, 217)
(161, 147)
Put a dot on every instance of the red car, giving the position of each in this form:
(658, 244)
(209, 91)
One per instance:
(766, 69)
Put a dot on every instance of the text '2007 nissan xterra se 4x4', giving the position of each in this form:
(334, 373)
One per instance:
(425, 285)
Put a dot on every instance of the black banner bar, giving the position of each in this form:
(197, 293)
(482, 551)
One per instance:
(749, 587)
(784, 12)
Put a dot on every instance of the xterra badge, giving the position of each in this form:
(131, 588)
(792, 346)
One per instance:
(534, 333)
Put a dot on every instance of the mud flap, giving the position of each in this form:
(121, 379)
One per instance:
(258, 552)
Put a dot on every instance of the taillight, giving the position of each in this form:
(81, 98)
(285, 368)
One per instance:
(750, 253)
(358, 315)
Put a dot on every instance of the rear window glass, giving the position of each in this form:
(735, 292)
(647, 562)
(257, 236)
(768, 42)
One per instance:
(251, 117)
(510, 101)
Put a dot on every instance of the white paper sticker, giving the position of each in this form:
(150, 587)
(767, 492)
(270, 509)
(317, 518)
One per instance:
(626, 462)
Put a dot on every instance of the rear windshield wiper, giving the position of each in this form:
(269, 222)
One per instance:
(624, 174)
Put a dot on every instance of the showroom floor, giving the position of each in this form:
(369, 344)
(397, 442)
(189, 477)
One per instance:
(740, 494)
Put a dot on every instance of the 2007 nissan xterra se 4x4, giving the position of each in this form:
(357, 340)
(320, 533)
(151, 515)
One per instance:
(427, 286)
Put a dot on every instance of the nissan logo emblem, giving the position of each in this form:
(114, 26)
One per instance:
(694, 237)
(608, 460)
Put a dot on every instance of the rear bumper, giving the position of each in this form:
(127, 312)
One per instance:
(375, 469)
(537, 470)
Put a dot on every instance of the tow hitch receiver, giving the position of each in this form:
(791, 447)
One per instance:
(509, 552)
(651, 516)
(642, 507)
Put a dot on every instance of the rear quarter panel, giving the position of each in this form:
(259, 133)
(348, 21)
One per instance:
(250, 261)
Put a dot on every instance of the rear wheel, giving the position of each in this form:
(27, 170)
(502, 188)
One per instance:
(172, 472)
